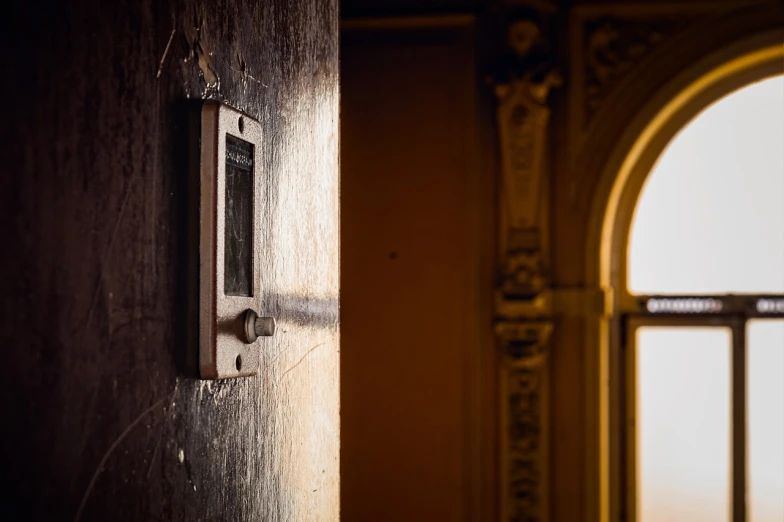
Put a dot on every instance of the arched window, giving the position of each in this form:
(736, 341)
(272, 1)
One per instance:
(702, 399)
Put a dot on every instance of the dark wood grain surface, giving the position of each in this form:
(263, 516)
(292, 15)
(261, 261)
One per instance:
(101, 416)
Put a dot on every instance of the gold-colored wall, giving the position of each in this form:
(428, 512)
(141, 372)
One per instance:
(541, 450)
(417, 235)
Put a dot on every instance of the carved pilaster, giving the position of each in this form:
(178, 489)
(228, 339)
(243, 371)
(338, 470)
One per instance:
(524, 341)
(524, 434)
(526, 446)
(522, 83)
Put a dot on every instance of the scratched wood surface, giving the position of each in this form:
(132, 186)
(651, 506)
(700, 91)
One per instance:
(102, 418)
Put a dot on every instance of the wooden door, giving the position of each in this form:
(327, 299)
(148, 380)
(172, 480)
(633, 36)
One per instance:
(416, 258)
(102, 417)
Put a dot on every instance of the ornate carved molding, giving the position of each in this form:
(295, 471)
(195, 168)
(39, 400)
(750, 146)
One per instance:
(526, 445)
(614, 46)
(524, 341)
(524, 435)
(522, 86)
(522, 83)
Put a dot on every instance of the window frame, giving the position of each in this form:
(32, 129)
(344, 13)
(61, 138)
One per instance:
(623, 174)
(736, 320)
(732, 311)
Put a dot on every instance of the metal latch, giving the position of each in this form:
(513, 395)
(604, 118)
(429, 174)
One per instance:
(230, 192)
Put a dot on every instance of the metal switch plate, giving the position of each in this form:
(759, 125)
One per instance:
(229, 251)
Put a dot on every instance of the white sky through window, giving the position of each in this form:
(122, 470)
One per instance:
(683, 424)
(765, 348)
(710, 218)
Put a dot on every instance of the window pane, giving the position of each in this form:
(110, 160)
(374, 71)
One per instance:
(683, 424)
(710, 218)
(765, 366)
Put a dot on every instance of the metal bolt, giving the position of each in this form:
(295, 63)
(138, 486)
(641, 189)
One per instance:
(256, 326)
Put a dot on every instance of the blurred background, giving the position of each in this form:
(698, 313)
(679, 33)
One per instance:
(469, 221)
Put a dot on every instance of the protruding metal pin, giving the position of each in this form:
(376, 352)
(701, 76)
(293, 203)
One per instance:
(256, 326)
